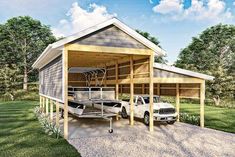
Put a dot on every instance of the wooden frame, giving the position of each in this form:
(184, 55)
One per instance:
(65, 83)
(131, 92)
(151, 62)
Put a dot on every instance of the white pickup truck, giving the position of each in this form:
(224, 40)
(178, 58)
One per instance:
(161, 111)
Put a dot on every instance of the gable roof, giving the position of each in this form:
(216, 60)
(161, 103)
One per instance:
(182, 71)
(112, 21)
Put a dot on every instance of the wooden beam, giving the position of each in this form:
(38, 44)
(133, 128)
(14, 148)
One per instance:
(177, 101)
(202, 99)
(57, 114)
(116, 75)
(177, 80)
(47, 106)
(105, 49)
(65, 92)
(151, 86)
(51, 110)
(131, 92)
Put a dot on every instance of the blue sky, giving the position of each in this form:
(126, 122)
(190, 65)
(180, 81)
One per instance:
(173, 22)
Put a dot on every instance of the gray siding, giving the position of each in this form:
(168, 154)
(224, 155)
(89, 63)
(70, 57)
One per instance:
(110, 36)
(50, 79)
(166, 74)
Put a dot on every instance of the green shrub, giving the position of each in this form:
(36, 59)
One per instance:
(49, 127)
(191, 119)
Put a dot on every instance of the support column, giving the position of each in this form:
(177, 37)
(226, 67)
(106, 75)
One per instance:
(43, 104)
(57, 114)
(158, 89)
(40, 102)
(51, 110)
(105, 77)
(131, 92)
(143, 89)
(202, 99)
(47, 106)
(151, 62)
(177, 100)
(65, 96)
(117, 85)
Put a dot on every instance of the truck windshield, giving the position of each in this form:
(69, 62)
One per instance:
(155, 99)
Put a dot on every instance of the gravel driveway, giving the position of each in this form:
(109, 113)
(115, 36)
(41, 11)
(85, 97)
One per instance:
(167, 140)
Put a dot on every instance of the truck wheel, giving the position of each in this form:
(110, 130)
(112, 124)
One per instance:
(146, 118)
(124, 113)
(170, 122)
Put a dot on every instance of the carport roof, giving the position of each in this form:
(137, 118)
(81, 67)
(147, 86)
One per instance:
(182, 71)
(53, 48)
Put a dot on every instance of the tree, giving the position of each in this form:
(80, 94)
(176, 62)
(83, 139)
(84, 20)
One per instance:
(22, 40)
(9, 79)
(213, 53)
(160, 59)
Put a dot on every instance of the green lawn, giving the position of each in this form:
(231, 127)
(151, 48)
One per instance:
(215, 117)
(22, 136)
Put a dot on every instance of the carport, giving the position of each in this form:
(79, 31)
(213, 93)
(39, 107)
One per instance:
(128, 59)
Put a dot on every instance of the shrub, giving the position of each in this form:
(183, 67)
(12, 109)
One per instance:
(191, 119)
(50, 128)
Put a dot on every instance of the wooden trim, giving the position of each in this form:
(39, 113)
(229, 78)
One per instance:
(151, 92)
(131, 92)
(65, 83)
(202, 99)
(40, 101)
(57, 113)
(106, 49)
(177, 101)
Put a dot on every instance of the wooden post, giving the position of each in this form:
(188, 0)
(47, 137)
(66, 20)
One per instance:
(57, 114)
(40, 101)
(143, 89)
(131, 92)
(43, 104)
(202, 99)
(116, 75)
(65, 83)
(46, 106)
(151, 62)
(51, 110)
(105, 77)
(158, 89)
(177, 100)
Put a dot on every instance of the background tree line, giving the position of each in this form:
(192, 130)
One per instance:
(23, 39)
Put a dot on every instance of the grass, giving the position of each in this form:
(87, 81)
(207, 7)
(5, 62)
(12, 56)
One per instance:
(21, 134)
(215, 117)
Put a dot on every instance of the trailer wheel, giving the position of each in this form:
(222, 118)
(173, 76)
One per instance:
(110, 131)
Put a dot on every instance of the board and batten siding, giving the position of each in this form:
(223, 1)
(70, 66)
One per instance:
(50, 79)
(110, 36)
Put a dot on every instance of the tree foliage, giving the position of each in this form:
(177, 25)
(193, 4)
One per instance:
(160, 59)
(22, 40)
(213, 53)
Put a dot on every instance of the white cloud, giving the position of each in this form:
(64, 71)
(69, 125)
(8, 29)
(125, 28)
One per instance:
(213, 10)
(80, 19)
(168, 6)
